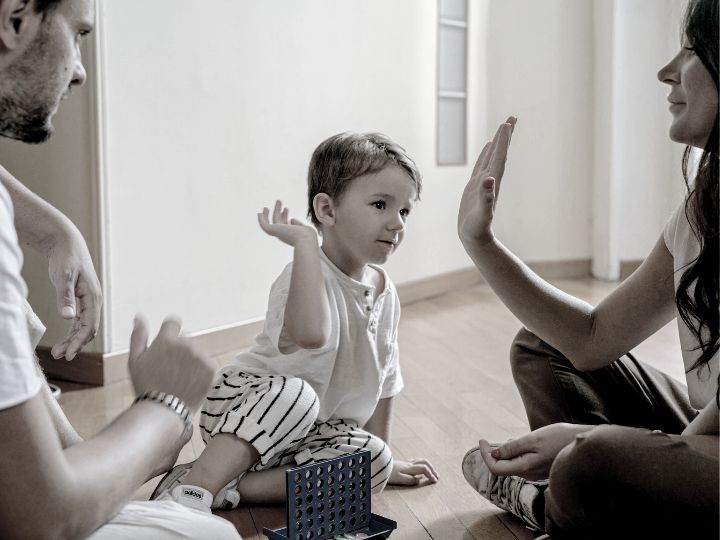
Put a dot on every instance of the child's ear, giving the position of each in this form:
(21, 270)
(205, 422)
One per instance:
(324, 208)
(18, 21)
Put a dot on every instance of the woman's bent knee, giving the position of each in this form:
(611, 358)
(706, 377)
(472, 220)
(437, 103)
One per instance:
(582, 478)
(527, 347)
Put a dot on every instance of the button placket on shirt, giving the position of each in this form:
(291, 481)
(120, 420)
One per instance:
(372, 323)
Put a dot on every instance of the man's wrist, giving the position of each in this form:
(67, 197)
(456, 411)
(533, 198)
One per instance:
(173, 403)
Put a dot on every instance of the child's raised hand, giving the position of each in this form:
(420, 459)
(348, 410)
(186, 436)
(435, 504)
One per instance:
(477, 206)
(290, 231)
(411, 473)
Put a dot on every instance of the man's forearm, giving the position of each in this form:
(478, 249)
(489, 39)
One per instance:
(121, 456)
(38, 223)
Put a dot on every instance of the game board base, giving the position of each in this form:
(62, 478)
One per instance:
(380, 527)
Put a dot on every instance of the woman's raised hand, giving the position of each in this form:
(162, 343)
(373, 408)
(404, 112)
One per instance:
(288, 230)
(477, 206)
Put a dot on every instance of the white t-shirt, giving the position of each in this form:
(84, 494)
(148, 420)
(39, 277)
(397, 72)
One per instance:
(359, 364)
(684, 247)
(19, 377)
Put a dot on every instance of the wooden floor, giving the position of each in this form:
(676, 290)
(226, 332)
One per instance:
(458, 388)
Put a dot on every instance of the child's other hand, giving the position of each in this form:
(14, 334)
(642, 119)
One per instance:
(290, 231)
(411, 473)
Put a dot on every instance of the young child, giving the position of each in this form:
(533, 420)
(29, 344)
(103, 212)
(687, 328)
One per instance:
(320, 381)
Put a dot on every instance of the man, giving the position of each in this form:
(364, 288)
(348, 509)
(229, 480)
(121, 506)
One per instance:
(56, 485)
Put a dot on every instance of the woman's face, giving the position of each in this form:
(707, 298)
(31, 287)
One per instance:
(693, 97)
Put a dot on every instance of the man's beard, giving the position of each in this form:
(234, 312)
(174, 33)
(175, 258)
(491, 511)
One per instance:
(26, 105)
(23, 121)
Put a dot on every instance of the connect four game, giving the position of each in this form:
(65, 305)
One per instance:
(331, 500)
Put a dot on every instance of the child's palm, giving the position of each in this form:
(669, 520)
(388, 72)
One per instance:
(285, 229)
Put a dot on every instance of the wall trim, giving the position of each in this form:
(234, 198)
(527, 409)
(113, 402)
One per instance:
(108, 368)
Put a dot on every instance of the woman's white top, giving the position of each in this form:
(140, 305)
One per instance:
(684, 247)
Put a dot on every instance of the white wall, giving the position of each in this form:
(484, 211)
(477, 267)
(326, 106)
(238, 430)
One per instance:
(540, 59)
(648, 161)
(214, 112)
(209, 111)
(637, 179)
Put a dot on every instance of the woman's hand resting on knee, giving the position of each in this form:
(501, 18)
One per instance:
(531, 455)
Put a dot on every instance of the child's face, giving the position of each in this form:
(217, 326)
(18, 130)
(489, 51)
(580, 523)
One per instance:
(370, 216)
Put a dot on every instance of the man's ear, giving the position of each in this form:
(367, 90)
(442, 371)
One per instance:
(324, 208)
(18, 20)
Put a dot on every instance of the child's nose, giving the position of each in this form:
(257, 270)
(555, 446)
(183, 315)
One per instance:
(397, 223)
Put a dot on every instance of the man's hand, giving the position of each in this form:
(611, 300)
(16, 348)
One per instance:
(411, 473)
(170, 364)
(477, 206)
(290, 231)
(79, 297)
(531, 455)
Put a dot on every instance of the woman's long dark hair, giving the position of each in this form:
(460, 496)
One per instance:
(699, 308)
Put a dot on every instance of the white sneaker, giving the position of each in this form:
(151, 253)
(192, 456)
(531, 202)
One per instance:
(226, 499)
(511, 493)
(193, 497)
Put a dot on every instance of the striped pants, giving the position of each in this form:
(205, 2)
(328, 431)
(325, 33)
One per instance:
(277, 415)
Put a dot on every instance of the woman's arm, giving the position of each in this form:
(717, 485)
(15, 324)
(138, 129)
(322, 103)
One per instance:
(705, 423)
(47, 230)
(307, 312)
(590, 337)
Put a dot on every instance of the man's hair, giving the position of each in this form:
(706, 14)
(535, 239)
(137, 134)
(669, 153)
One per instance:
(46, 6)
(345, 156)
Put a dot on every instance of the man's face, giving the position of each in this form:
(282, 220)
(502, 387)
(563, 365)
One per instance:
(45, 71)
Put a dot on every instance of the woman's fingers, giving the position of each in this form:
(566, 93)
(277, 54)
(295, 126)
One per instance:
(480, 160)
(497, 162)
(491, 150)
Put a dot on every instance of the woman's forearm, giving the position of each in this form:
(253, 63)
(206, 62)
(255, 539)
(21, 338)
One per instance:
(564, 321)
(705, 423)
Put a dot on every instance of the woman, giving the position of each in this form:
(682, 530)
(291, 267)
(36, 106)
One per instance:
(651, 469)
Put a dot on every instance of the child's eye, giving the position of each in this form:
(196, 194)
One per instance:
(404, 212)
(380, 205)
